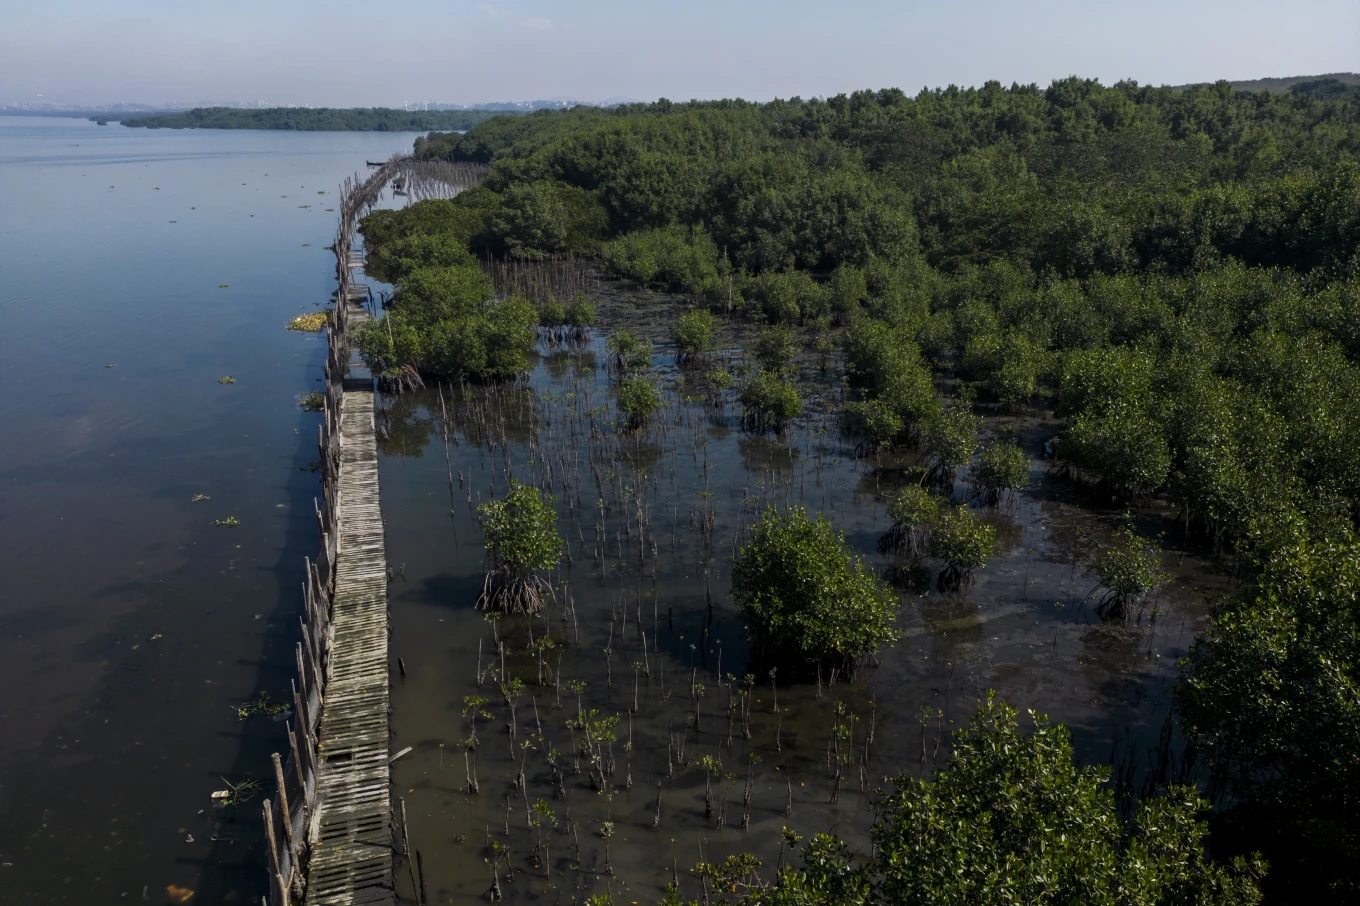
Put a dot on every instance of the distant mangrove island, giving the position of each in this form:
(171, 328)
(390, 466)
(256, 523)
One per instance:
(317, 119)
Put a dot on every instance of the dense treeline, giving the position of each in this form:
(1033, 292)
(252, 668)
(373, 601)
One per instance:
(315, 119)
(1174, 273)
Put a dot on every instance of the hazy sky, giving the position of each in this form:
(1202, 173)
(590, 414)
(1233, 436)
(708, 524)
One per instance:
(347, 53)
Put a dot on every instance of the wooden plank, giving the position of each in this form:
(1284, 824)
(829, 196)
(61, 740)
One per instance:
(351, 834)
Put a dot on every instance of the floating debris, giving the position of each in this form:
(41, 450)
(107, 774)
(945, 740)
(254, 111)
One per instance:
(176, 894)
(262, 705)
(312, 402)
(199, 497)
(221, 286)
(228, 379)
(310, 323)
(110, 364)
(229, 522)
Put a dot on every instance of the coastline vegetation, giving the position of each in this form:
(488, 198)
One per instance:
(314, 119)
(1171, 276)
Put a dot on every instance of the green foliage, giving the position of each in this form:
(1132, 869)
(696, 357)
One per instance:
(316, 119)
(444, 323)
(1269, 696)
(769, 401)
(950, 439)
(580, 312)
(1128, 569)
(784, 297)
(543, 218)
(963, 541)
(1002, 468)
(913, 510)
(521, 530)
(805, 599)
(694, 335)
(775, 347)
(1012, 819)
(521, 538)
(638, 400)
(678, 259)
(629, 352)
(552, 313)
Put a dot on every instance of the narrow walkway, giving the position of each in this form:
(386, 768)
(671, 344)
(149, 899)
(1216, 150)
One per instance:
(351, 827)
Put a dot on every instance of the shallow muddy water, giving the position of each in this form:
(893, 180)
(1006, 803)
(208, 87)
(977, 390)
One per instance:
(619, 753)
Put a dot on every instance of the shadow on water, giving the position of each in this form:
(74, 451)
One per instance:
(616, 739)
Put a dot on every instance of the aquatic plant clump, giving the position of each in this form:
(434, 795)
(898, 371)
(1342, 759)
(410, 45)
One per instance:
(309, 323)
(521, 538)
(807, 602)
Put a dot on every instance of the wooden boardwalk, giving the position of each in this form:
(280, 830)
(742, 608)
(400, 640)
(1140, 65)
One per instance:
(329, 831)
(350, 831)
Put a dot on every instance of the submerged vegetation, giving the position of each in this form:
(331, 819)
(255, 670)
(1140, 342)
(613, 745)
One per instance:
(1163, 284)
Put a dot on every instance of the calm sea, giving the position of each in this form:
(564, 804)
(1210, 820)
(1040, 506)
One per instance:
(139, 268)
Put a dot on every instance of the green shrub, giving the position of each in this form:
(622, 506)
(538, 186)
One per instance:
(552, 313)
(1128, 569)
(913, 510)
(521, 538)
(580, 312)
(769, 401)
(805, 599)
(694, 335)
(950, 439)
(1002, 469)
(963, 541)
(629, 352)
(445, 323)
(638, 400)
(775, 347)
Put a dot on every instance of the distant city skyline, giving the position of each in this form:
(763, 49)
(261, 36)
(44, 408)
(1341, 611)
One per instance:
(344, 53)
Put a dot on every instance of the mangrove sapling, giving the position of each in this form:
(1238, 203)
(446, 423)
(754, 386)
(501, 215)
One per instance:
(913, 510)
(805, 599)
(521, 538)
(694, 335)
(775, 347)
(950, 439)
(769, 401)
(628, 352)
(1128, 569)
(639, 398)
(1002, 470)
(717, 382)
(963, 541)
(711, 767)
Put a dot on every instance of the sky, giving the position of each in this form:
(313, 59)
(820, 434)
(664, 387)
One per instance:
(376, 53)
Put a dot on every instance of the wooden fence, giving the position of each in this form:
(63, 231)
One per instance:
(289, 815)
